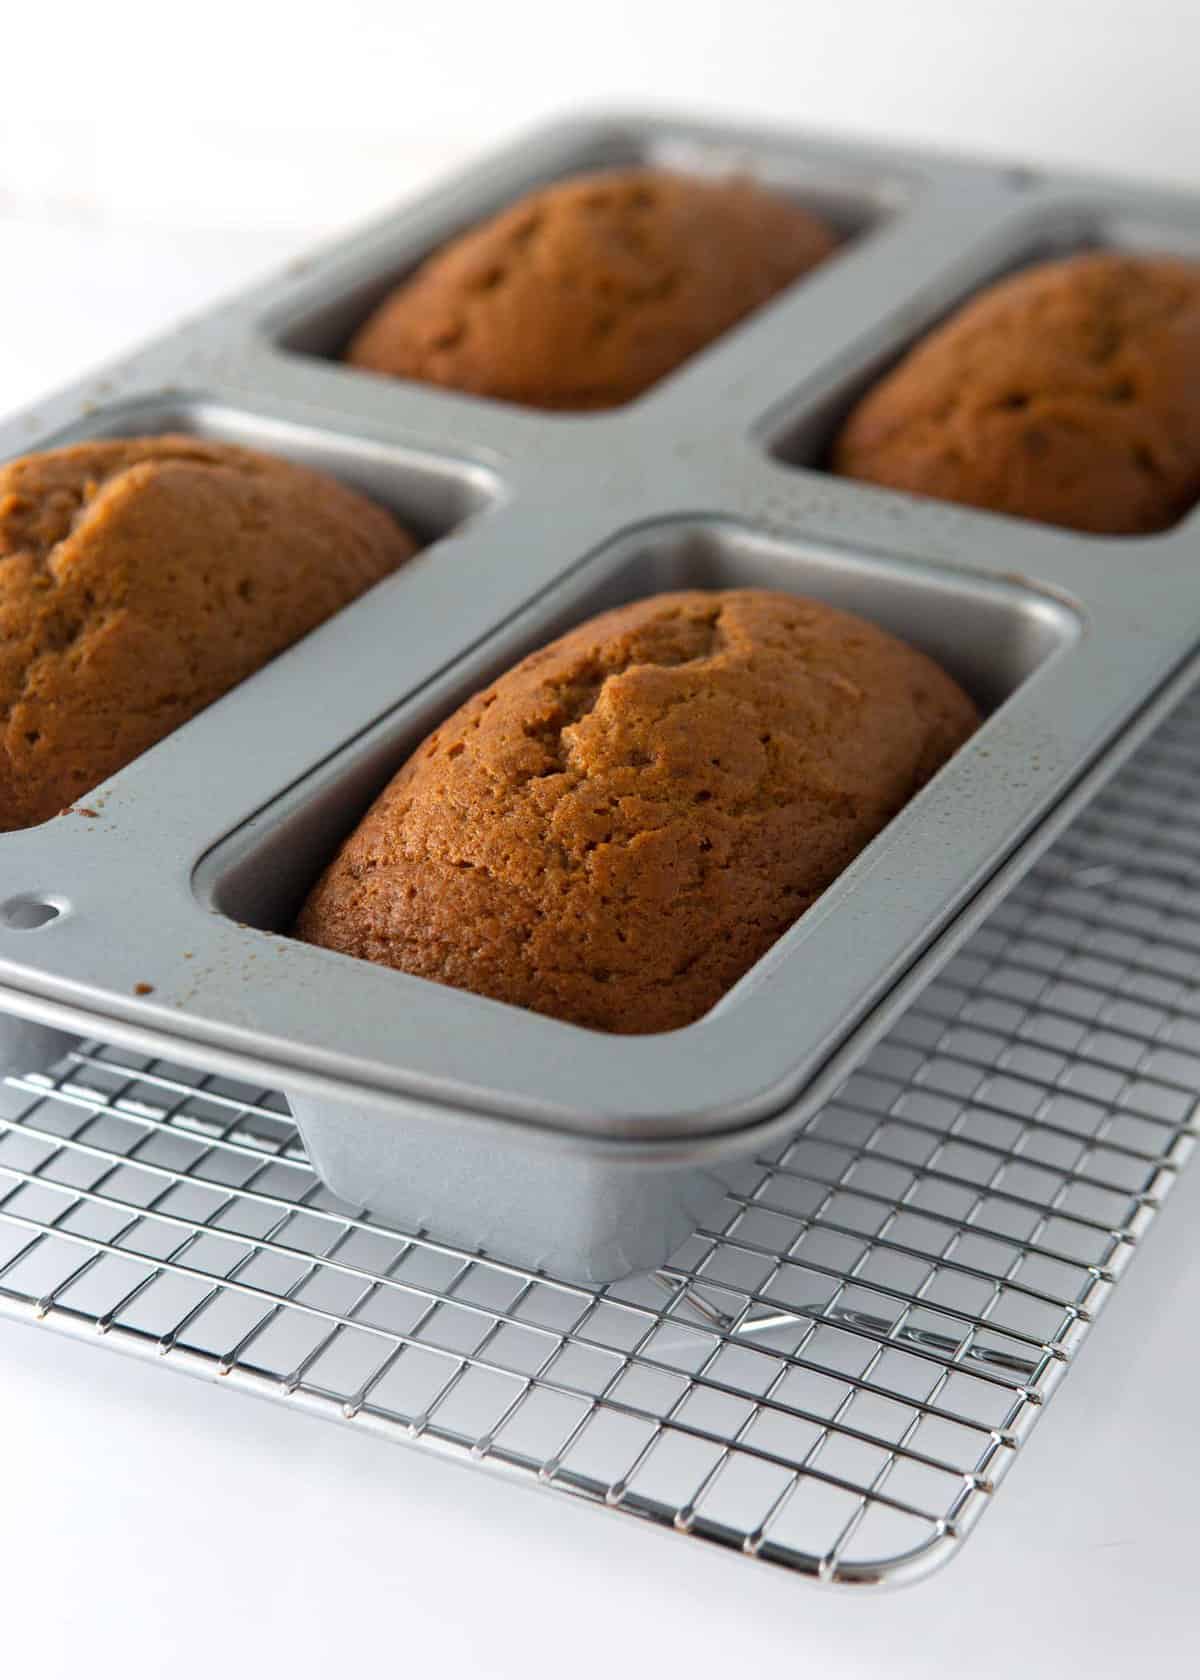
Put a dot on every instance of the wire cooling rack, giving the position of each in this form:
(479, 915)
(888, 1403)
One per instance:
(836, 1375)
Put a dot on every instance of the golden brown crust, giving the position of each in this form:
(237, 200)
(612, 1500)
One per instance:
(620, 826)
(1068, 393)
(140, 579)
(585, 293)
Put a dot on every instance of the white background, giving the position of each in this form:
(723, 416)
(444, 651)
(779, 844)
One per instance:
(151, 156)
(299, 116)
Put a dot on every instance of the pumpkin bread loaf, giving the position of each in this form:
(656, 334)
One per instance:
(1068, 393)
(140, 579)
(618, 828)
(583, 294)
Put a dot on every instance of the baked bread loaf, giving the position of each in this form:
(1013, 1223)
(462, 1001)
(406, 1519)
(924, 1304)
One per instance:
(616, 829)
(585, 293)
(140, 579)
(1068, 393)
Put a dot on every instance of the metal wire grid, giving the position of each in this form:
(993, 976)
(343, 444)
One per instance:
(836, 1374)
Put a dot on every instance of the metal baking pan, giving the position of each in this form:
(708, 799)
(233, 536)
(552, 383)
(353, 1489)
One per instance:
(543, 1142)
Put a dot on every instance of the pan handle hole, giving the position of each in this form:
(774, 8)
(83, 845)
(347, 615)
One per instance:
(29, 911)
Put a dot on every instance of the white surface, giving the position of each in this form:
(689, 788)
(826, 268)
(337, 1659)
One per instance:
(150, 1526)
(267, 114)
(84, 291)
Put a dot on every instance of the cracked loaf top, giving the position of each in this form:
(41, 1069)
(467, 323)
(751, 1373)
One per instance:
(585, 293)
(1068, 393)
(141, 579)
(619, 827)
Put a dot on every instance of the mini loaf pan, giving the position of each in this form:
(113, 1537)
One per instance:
(157, 913)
